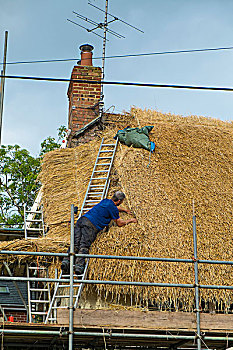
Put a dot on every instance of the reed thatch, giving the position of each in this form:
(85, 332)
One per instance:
(192, 162)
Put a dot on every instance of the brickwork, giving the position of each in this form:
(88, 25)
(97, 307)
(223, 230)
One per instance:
(83, 97)
(19, 316)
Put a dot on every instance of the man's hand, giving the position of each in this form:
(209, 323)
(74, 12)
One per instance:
(134, 220)
(122, 210)
(128, 211)
(121, 222)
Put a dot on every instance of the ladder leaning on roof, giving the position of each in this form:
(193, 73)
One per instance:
(33, 218)
(38, 294)
(96, 191)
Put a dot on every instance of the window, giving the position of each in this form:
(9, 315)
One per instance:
(4, 289)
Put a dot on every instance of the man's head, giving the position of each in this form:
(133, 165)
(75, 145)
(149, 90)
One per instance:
(118, 197)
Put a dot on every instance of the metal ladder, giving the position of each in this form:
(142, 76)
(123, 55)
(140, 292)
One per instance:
(34, 219)
(38, 295)
(96, 191)
(99, 182)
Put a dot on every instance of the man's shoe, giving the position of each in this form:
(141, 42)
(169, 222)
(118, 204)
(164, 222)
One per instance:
(65, 266)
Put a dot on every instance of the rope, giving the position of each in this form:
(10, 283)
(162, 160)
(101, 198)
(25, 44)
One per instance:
(105, 345)
(149, 159)
(202, 341)
(3, 325)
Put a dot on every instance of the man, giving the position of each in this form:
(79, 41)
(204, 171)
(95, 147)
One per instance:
(94, 221)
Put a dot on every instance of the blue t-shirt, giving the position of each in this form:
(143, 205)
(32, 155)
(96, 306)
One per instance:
(102, 213)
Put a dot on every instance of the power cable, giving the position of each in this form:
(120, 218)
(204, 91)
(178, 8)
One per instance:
(98, 82)
(125, 56)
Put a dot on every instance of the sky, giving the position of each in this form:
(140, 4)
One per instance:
(39, 30)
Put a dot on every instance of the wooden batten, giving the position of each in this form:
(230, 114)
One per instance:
(151, 320)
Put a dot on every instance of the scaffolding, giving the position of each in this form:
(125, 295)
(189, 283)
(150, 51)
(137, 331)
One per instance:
(198, 336)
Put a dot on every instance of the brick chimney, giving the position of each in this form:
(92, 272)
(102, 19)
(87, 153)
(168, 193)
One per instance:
(83, 97)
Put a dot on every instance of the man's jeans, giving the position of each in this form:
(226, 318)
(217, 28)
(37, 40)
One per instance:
(85, 234)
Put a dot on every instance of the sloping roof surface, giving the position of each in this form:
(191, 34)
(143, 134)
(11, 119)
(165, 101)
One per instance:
(12, 297)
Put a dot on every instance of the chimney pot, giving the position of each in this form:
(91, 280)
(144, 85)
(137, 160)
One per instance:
(86, 54)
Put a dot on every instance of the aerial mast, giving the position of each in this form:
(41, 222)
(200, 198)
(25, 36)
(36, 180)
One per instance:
(3, 73)
(105, 27)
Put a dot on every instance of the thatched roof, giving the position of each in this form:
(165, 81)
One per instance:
(193, 161)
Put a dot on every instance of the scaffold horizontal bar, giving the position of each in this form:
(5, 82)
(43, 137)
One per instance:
(119, 257)
(115, 335)
(126, 283)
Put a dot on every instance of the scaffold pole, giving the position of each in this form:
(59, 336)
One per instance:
(71, 302)
(196, 281)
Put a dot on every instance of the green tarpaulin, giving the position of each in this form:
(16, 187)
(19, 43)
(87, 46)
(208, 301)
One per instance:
(136, 137)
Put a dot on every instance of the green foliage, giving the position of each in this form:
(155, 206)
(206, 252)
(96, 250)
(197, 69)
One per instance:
(49, 144)
(18, 179)
(18, 185)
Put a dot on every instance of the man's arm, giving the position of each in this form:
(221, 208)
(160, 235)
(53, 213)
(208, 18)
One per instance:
(120, 222)
(122, 210)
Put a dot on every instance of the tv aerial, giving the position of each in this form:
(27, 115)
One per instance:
(103, 26)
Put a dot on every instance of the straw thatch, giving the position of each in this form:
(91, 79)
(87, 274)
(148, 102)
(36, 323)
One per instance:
(192, 162)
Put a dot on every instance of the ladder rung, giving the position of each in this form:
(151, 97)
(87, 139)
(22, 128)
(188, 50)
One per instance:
(95, 193)
(34, 229)
(67, 286)
(59, 307)
(38, 290)
(64, 285)
(108, 144)
(34, 220)
(107, 150)
(36, 268)
(99, 178)
(64, 296)
(101, 171)
(38, 313)
(104, 164)
(105, 158)
(74, 275)
(92, 201)
(97, 185)
(94, 196)
(39, 301)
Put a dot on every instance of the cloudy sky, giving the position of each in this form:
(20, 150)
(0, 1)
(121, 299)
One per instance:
(39, 30)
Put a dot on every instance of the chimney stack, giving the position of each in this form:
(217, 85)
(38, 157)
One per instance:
(86, 54)
(84, 97)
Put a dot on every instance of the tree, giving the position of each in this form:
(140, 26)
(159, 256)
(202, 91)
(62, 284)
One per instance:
(49, 144)
(18, 185)
(18, 179)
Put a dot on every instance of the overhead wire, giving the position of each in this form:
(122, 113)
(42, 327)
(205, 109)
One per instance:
(120, 83)
(125, 56)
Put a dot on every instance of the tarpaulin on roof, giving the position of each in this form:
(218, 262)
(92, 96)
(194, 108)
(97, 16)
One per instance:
(136, 137)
